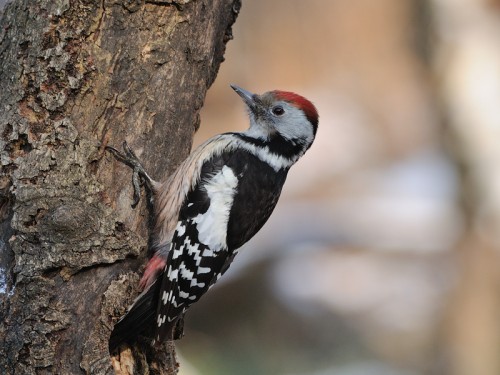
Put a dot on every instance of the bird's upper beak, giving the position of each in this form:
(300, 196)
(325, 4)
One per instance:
(247, 96)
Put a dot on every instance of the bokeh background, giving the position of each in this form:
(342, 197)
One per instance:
(382, 257)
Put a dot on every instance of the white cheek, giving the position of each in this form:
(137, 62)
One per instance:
(295, 126)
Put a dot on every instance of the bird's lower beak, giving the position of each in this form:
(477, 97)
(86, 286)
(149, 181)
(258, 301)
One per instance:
(247, 96)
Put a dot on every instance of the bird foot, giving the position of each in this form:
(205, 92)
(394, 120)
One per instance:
(139, 174)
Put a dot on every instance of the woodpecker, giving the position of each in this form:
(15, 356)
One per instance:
(216, 201)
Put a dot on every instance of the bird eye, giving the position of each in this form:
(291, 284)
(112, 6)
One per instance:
(278, 110)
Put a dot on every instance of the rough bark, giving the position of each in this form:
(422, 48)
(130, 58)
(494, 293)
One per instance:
(77, 75)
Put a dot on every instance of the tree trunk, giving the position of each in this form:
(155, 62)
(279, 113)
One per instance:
(77, 75)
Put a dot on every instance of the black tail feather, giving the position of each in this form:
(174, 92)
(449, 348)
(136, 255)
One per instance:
(138, 320)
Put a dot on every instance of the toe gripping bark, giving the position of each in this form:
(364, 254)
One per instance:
(139, 174)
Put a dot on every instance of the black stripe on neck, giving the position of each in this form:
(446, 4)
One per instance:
(276, 145)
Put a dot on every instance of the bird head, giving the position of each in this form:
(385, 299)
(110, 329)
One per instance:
(280, 114)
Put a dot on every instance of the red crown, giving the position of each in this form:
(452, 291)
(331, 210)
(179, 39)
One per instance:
(300, 102)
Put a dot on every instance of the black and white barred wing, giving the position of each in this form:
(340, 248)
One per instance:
(199, 253)
(197, 257)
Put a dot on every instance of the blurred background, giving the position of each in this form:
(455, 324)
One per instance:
(382, 257)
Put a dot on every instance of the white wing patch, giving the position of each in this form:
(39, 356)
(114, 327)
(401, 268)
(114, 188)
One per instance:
(181, 228)
(172, 274)
(203, 270)
(161, 319)
(212, 225)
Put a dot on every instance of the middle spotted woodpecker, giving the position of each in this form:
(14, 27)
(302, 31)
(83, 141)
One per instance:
(217, 199)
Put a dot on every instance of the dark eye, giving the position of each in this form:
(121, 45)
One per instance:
(278, 110)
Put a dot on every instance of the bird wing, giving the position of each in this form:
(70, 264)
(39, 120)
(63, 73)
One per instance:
(199, 252)
(186, 187)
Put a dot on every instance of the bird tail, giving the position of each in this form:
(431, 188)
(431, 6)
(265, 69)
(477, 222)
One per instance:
(138, 320)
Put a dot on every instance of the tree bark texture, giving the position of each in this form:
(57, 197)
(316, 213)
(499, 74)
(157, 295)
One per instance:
(75, 76)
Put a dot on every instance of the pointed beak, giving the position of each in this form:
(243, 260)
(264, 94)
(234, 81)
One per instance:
(247, 96)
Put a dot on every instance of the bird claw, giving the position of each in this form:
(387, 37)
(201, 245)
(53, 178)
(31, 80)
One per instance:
(137, 188)
(139, 175)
